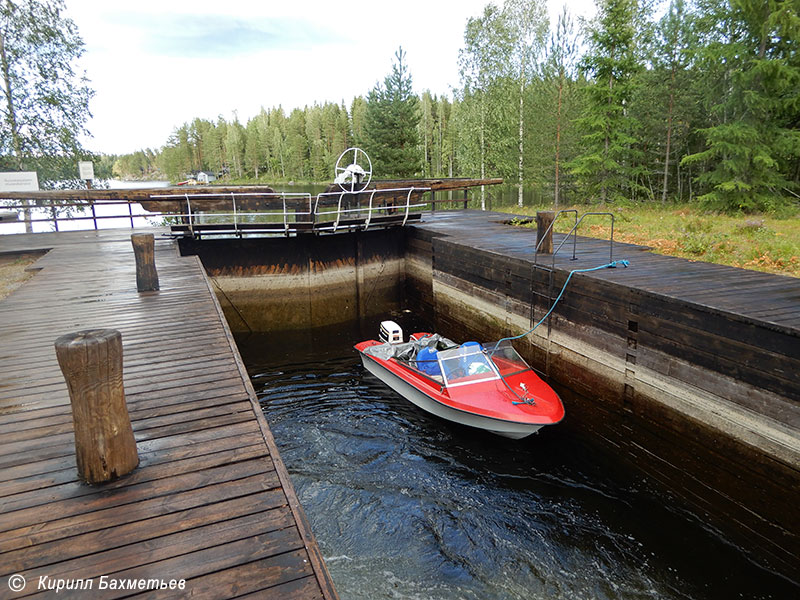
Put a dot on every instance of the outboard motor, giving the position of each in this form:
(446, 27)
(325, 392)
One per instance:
(391, 333)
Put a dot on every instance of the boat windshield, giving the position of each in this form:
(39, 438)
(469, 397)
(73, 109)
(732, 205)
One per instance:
(466, 364)
(506, 359)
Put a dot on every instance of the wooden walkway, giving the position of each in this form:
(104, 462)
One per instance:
(210, 503)
(752, 295)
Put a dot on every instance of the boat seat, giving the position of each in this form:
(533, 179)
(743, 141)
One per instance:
(427, 362)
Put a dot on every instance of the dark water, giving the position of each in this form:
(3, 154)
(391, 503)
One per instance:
(405, 505)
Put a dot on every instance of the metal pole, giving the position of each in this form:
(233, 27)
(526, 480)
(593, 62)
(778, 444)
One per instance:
(130, 212)
(235, 218)
(94, 217)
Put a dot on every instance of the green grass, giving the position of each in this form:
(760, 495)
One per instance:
(758, 242)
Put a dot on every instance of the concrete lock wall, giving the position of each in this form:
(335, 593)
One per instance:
(275, 284)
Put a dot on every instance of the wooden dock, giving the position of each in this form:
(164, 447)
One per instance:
(210, 503)
(754, 296)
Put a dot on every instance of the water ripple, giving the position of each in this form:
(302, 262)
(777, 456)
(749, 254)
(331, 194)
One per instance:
(405, 505)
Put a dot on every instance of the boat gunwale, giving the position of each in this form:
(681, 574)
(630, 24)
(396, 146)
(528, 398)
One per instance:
(380, 362)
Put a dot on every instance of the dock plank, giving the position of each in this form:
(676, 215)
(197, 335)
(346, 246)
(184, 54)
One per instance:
(210, 501)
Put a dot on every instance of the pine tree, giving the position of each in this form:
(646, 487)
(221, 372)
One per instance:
(234, 144)
(561, 70)
(358, 109)
(390, 122)
(275, 138)
(255, 146)
(674, 43)
(751, 77)
(608, 164)
(175, 159)
(296, 158)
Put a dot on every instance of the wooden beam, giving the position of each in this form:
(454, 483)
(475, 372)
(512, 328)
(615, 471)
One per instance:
(217, 197)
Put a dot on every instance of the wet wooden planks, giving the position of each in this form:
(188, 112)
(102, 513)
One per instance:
(761, 296)
(210, 501)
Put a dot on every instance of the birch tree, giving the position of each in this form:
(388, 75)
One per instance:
(527, 23)
(483, 60)
(44, 99)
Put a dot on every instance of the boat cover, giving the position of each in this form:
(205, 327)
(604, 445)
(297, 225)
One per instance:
(408, 350)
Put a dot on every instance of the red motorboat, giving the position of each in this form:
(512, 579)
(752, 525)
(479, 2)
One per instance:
(486, 386)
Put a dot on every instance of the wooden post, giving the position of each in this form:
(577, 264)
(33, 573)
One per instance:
(544, 219)
(144, 250)
(91, 362)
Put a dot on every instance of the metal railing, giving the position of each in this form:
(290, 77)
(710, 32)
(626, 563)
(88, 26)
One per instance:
(55, 218)
(573, 232)
(329, 211)
(371, 208)
(318, 209)
(237, 214)
(549, 231)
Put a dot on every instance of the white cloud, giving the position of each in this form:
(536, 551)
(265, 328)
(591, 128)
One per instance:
(155, 65)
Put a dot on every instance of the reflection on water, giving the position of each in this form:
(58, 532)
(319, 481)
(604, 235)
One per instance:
(405, 505)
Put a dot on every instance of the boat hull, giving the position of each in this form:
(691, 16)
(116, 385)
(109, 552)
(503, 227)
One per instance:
(419, 398)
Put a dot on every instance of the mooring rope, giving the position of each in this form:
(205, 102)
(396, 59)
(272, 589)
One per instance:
(610, 265)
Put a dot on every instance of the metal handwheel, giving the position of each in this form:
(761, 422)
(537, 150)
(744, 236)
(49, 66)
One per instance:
(352, 178)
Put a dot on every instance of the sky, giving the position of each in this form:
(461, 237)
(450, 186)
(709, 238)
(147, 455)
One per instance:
(156, 64)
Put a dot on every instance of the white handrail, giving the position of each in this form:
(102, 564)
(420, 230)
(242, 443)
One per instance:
(316, 208)
(338, 212)
(408, 204)
(369, 214)
(189, 208)
(235, 224)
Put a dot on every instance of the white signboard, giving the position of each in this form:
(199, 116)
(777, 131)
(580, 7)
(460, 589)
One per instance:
(86, 169)
(21, 181)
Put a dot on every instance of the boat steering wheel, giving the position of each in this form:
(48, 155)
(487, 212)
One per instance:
(353, 177)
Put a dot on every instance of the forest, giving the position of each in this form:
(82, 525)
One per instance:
(688, 101)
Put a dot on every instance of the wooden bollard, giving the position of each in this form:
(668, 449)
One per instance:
(544, 238)
(91, 362)
(144, 250)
